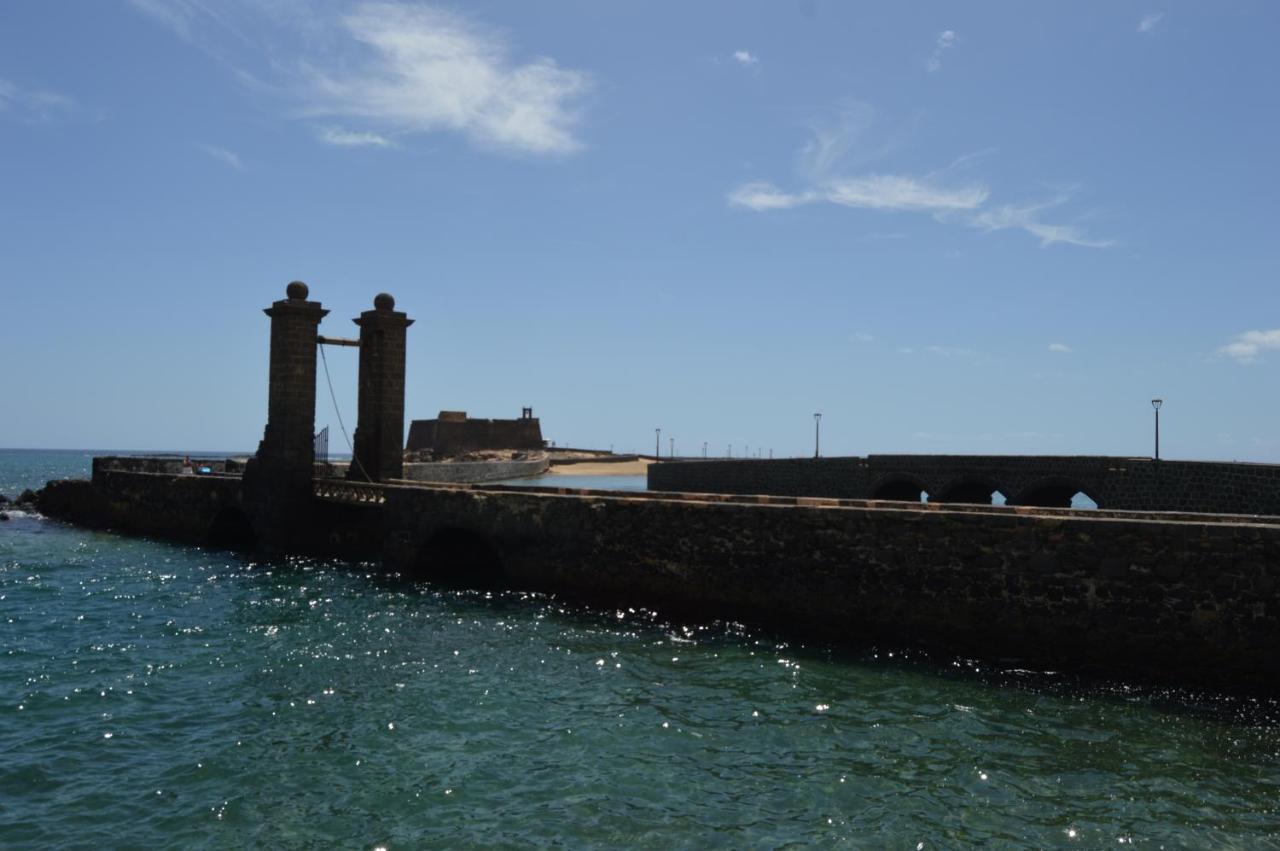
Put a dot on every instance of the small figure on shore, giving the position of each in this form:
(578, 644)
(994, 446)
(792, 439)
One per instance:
(186, 466)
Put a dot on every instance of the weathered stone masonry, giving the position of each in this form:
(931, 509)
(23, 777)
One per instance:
(379, 438)
(1133, 484)
(278, 478)
(1191, 601)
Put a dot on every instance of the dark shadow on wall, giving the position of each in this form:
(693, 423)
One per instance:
(231, 530)
(901, 489)
(969, 492)
(1057, 495)
(459, 558)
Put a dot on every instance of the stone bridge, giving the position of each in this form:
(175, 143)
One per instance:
(844, 548)
(1182, 597)
(1132, 484)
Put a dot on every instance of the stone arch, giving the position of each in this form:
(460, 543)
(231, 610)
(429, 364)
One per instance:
(973, 490)
(899, 487)
(1055, 492)
(452, 555)
(230, 529)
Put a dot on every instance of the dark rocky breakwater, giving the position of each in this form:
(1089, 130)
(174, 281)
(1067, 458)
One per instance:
(25, 501)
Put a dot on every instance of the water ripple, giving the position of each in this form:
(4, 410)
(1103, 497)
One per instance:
(190, 698)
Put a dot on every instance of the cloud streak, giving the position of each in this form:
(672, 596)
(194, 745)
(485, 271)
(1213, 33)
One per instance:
(33, 106)
(343, 138)
(820, 160)
(1026, 217)
(1248, 347)
(944, 42)
(869, 192)
(745, 57)
(224, 156)
(1150, 22)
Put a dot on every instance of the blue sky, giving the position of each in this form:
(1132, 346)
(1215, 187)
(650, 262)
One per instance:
(989, 227)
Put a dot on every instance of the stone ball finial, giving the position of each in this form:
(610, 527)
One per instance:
(384, 301)
(297, 291)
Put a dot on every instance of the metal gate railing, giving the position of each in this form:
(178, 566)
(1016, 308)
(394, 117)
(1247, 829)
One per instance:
(322, 446)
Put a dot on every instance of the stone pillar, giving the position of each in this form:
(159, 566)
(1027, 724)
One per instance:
(277, 480)
(379, 439)
(288, 443)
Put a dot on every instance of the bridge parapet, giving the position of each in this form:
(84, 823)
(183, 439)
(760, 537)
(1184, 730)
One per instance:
(350, 493)
(1128, 484)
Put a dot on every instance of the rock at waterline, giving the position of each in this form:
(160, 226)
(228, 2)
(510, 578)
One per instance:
(28, 497)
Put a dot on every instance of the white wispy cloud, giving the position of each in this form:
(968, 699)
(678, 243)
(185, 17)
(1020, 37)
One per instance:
(871, 192)
(1249, 346)
(34, 106)
(862, 337)
(1060, 347)
(1150, 22)
(944, 42)
(1026, 217)
(824, 160)
(430, 70)
(382, 70)
(834, 140)
(898, 192)
(762, 195)
(745, 57)
(344, 138)
(224, 156)
(901, 193)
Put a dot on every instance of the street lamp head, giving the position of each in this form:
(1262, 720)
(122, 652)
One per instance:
(817, 416)
(1156, 403)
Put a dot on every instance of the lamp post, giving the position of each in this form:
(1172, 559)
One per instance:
(672, 453)
(657, 443)
(1156, 403)
(817, 433)
(704, 449)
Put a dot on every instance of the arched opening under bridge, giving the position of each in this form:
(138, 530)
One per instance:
(900, 489)
(458, 557)
(230, 529)
(970, 492)
(1057, 495)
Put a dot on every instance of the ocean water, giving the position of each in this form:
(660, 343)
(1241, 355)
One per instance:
(162, 696)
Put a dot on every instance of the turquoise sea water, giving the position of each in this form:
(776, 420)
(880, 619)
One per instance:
(162, 696)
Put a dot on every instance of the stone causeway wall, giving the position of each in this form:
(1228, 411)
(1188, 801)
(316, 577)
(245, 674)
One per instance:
(1132, 484)
(1183, 601)
(475, 471)
(1182, 598)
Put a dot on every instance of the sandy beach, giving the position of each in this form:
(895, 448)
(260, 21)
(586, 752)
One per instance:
(617, 468)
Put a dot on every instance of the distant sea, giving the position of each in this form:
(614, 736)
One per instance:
(154, 695)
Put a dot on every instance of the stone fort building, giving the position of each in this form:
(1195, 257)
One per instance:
(453, 433)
